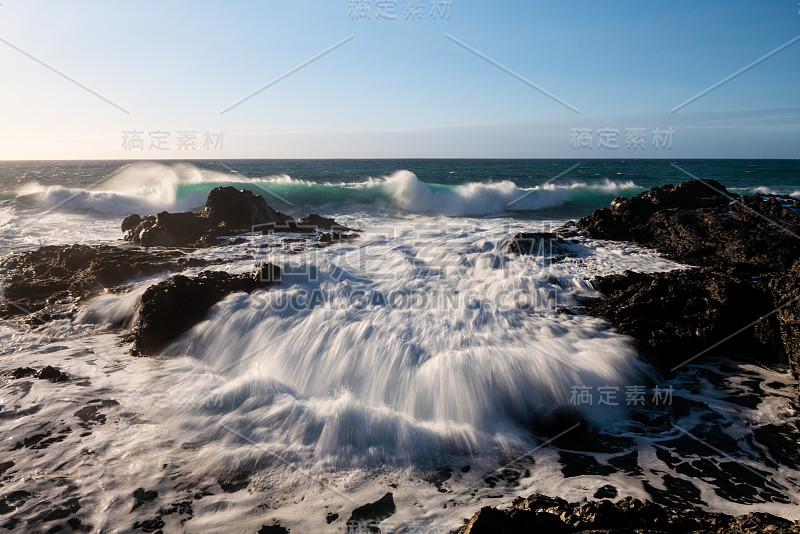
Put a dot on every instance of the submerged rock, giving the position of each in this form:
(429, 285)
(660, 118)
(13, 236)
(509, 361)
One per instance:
(172, 307)
(540, 513)
(540, 244)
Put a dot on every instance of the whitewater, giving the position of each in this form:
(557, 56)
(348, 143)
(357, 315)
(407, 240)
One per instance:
(421, 359)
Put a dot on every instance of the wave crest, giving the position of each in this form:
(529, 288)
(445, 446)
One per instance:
(148, 188)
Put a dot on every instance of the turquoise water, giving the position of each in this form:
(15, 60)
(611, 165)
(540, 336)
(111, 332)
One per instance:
(447, 187)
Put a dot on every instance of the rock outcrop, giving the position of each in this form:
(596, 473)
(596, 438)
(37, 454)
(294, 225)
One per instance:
(227, 211)
(172, 307)
(678, 314)
(701, 223)
(48, 373)
(539, 513)
(48, 282)
(312, 221)
(749, 251)
(372, 513)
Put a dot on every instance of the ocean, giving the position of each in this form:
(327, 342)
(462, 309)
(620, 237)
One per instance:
(419, 359)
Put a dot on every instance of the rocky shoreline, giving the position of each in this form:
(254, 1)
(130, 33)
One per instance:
(51, 282)
(540, 513)
(740, 295)
(746, 293)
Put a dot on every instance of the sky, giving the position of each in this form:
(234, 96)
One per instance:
(394, 79)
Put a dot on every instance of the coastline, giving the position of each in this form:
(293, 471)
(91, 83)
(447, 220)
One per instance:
(779, 336)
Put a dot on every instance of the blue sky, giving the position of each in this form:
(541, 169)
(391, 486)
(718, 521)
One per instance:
(398, 88)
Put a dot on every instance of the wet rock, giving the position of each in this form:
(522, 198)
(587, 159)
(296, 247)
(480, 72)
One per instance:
(376, 511)
(574, 465)
(240, 209)
(66, 509)
(234, 482)
(149, 525)
(227, 211)
(784, 288)
(437, 477)
(172, 230)
(643, 512)
(11, 501)
(540, 244)
(539, 513)
(140, 497)
(314, 221)
(781, 442)
(606, 492)
(168, 309)
(183, 509)
(491, 520)
(334, 237)
(267, 272)
(130, 222)
(50, 280)
(677, 314)
(5, 466)
(91, 415)
(51, 373)
(331, 517)
(40, 441)
(21, 372)
(748, 248)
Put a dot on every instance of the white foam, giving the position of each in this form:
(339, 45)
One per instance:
(476, 199)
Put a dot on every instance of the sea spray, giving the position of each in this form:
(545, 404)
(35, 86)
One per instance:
(147, 188)
(322, 368)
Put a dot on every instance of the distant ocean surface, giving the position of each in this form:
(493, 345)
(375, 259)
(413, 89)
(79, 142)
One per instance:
(450, 187)
(413, 360)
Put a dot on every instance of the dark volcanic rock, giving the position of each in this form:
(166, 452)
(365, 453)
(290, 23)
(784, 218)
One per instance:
(227, 210)
(172, 230)
(312, 221)
(750, 249)
(701, 223)
(539, 244)
(335, 237)
(51, 373)
(784, 288)
(172, 307)
(606, 492)
(677, 314)
(539, 513)
(52, 279)
(142, 496)
(376, 511)
(240, 209)
(21, 372)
